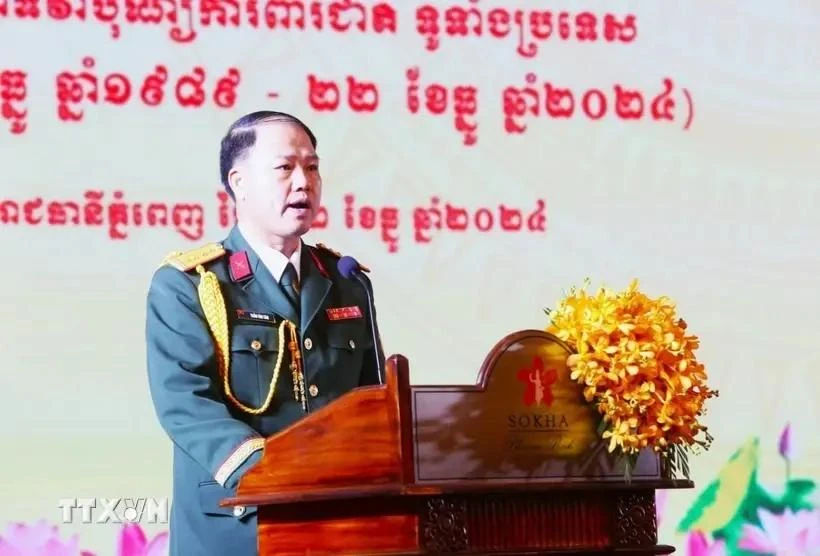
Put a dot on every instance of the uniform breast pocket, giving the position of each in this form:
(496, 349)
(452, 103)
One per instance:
(254, 354)
(349, 343)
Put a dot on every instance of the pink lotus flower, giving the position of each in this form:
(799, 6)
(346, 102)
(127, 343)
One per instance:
(786, 533)
(661, 497)
(699, 545)
(39, 539)
(133, 542)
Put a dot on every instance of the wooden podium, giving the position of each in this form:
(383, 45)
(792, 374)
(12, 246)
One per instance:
(510, 465)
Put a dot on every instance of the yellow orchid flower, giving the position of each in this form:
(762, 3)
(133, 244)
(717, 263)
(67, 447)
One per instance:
(636, 360)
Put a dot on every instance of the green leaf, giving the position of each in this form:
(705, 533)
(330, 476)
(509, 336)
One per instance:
(721, 500)
(756, 498)
(797, 492)
(706, 498)
(630, 461)
(731, 535)
(683, 460)
(670, 458)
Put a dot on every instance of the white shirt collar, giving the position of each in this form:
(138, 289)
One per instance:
(275, 260)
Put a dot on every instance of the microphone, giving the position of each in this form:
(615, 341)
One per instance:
(349, 268)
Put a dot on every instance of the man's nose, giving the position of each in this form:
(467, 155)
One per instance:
(300, 179)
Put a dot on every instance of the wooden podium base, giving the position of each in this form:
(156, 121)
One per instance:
(542, 522)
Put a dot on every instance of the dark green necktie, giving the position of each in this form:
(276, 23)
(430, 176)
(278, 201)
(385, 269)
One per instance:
(290, 285)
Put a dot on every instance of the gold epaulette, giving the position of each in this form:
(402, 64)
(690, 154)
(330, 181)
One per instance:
(326, 248)
(187, 260)
(339, 255)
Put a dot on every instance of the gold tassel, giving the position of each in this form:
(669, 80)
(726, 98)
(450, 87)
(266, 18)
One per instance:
(296, 369)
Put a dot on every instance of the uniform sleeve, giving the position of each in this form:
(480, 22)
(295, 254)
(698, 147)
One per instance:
(184, 386)
(370, 372)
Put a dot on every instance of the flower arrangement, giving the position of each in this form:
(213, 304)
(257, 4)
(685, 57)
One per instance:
(636, 361)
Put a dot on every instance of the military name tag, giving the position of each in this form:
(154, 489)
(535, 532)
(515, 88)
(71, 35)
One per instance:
(344, 313)
(254, 317)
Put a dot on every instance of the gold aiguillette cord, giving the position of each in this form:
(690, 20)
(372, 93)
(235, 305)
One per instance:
(296, 368)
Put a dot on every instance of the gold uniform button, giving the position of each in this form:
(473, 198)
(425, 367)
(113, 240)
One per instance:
(314, 390)
(256, 345)
(308, 343)
(238, 511)
(352, 344)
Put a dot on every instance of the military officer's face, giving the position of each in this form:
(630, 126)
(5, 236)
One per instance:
(277, 184)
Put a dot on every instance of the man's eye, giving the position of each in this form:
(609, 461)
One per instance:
(283, 167)
(313, 167)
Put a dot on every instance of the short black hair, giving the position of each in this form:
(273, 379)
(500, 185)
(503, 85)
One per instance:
(242, 135)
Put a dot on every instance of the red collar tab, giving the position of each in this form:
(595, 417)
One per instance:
(240, 266)
(318, 264)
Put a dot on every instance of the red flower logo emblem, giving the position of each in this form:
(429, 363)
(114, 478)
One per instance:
(538, 383)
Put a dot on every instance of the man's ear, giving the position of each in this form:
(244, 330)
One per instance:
(235, 181)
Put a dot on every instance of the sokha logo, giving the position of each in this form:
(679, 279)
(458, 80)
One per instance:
(537, 383)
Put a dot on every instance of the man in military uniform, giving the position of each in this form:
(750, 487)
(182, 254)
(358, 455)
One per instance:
(247, 336)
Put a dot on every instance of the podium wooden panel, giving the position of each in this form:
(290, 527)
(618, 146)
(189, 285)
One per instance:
(510, 465)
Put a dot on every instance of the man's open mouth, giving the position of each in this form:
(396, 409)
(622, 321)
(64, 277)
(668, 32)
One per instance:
(299, 205)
